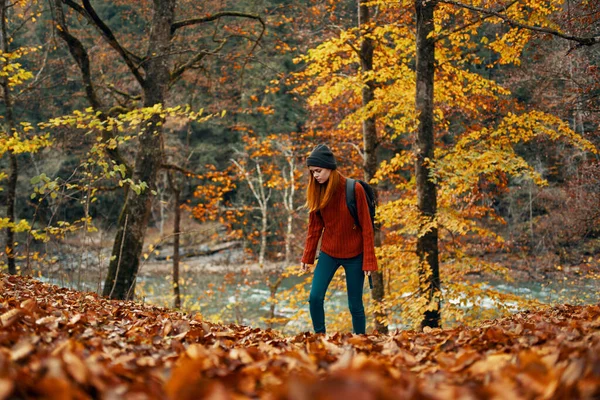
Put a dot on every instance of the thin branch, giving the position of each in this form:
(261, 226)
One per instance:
(23, 22)
(176, 74)
(90, 14)
(112, 87)
(108, 188)
(173, 167)
(478, 20)
(357, 148)
(258, 39)
(357, 51)
(80, 54)
(582, 41)
(214, 17)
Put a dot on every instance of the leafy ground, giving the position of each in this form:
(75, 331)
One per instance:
(59, 344)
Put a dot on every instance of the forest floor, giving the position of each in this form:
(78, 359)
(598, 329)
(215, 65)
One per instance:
(60, 344)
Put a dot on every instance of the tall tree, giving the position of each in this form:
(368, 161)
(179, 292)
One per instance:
(17, 19)
(155, 73)
(370, 144)
(427, 241)
(10, 129)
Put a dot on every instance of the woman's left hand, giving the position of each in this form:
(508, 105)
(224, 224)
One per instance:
(367, 273)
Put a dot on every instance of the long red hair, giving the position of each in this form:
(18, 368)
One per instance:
(318, 195)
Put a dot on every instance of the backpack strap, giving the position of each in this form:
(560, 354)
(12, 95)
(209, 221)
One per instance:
(351, 199)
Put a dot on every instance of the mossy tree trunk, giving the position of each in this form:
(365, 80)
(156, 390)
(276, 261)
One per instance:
(427, 242)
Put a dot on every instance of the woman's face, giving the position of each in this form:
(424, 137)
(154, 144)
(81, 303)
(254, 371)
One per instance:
(320, 174)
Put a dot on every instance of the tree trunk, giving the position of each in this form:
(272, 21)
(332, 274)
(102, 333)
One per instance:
(263, 234)
(289, 192)
(369, 128)
(427, 242)
(288, 238)
(176, 237)
(11, 192)
(127, 248)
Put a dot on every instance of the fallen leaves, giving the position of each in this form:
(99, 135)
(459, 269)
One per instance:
(62, 344)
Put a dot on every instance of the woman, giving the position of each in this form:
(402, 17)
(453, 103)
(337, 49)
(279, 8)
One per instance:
(343, 243)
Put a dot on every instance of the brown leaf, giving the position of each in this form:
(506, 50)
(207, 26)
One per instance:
(10, 317)
(74, 319)
(146, 361)
(21, 350)
(344, 361)
(491, 363)
(404, 358)
(47, 320)
(196, 351)
(535, 375)
(54, 389)
(242, 355)
(186, 382)
(167, 328)
(28, 305)
(503, 388)
(573, 372)
(465, 359)
(6, 388)
(181, 326)
(76, 367)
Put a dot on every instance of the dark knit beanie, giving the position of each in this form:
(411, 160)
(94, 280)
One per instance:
(321, 156)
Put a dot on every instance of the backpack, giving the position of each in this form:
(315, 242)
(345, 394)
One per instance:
(351, 199)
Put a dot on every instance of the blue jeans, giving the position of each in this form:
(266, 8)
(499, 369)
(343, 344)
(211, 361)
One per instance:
(355, 278)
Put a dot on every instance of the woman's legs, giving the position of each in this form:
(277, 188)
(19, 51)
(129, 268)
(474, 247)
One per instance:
(324, 272)
(355, 279)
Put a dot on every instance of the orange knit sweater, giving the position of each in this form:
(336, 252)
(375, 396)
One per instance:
(341, 237)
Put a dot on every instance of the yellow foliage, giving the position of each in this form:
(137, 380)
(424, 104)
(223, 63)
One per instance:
(481, 150)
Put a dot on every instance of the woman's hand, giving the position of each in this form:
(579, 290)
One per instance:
(305, 267)
(367, 273)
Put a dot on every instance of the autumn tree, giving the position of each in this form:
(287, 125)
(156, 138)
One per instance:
(10, 128)
(289, 176)
(433, 123)
(251, 172)
(154, 75)
(16, 135)
(427, 241)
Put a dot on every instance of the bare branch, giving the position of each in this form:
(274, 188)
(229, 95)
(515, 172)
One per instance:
(129, 96)
(78, 51)
(582, 41)
(214, 17)
(24, 21)
(258, 39)
(80, 54)
(176, 74)
(173, 167)
(90, 14)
